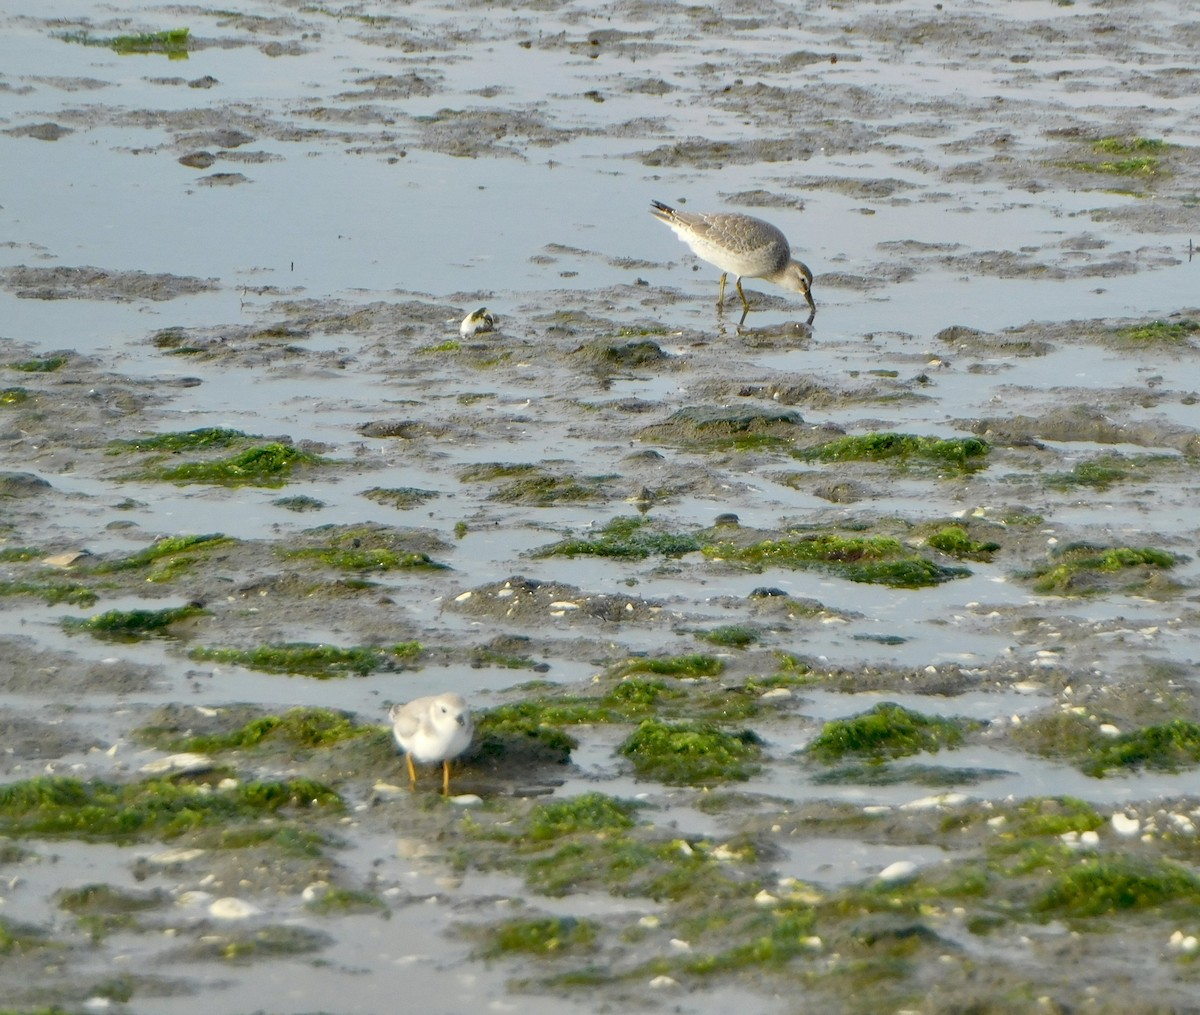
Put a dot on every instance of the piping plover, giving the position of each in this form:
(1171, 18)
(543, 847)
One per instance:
(435, 728)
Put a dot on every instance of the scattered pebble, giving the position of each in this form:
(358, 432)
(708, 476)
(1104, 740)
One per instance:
(901, 870)
(177, 764)
(1125, 825)
(927, 803)
(232, 909)
(173, 856)
(1186, 943)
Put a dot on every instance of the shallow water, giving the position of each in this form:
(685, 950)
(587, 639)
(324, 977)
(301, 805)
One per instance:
(917, 175)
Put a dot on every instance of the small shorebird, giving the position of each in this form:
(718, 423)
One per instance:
(436, 728)
(746, 246)
(477, 322)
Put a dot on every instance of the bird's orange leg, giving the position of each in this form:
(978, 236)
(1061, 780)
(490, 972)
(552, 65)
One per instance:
(412, 772)
(721, 294)
(445, 777)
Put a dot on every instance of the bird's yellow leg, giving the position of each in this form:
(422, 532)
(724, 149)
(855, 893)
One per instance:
(445, 777)
(745, 302)
(721, 294)
(412, 772)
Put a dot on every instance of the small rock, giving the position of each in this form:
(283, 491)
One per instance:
(66, 559)
(1124, 825)
(927, 803)
(230, 908)
(901, 870)
(178, 763)
(173, 856)
(197, 160)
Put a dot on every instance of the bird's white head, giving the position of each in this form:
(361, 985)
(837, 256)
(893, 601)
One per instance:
(450, 711)
(798, 279)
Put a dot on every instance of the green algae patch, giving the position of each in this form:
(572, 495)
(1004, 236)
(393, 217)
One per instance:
(364, 548)
(527, 732)
(625, 538)
(725, 428)
(1168, 333)
(552, 935)
(681, 667)
(1128, 156)
(131, 625)
(730, 636)
(171, 42)
(629, 700)
(1129, 145)
(607, 356)
(509, 652)
(253, 944)
(1098, 474)
(39, 366)
(964, 454)
(883, 773)
(1164, 747)
(450, 345)
(1105, 470)
(591, 812)
(764, 940)
(885, 731)
(402, 498)
(101, 909)
(167, 558)
(155, 809)
(534, 485)
(299, 728)
(22, 939)
(52, 592)
(1107, 885)
(312, 659)
(13, 396)
(565, 711)
(345, 900)
(176, 442)
(957, 542)
(1049, 817)
(268, 465)
(593, 843)
(691, 753)
(878, 560)
(299, 503)
(1083, 569)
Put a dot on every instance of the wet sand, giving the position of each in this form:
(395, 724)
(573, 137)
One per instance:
(279, 235)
